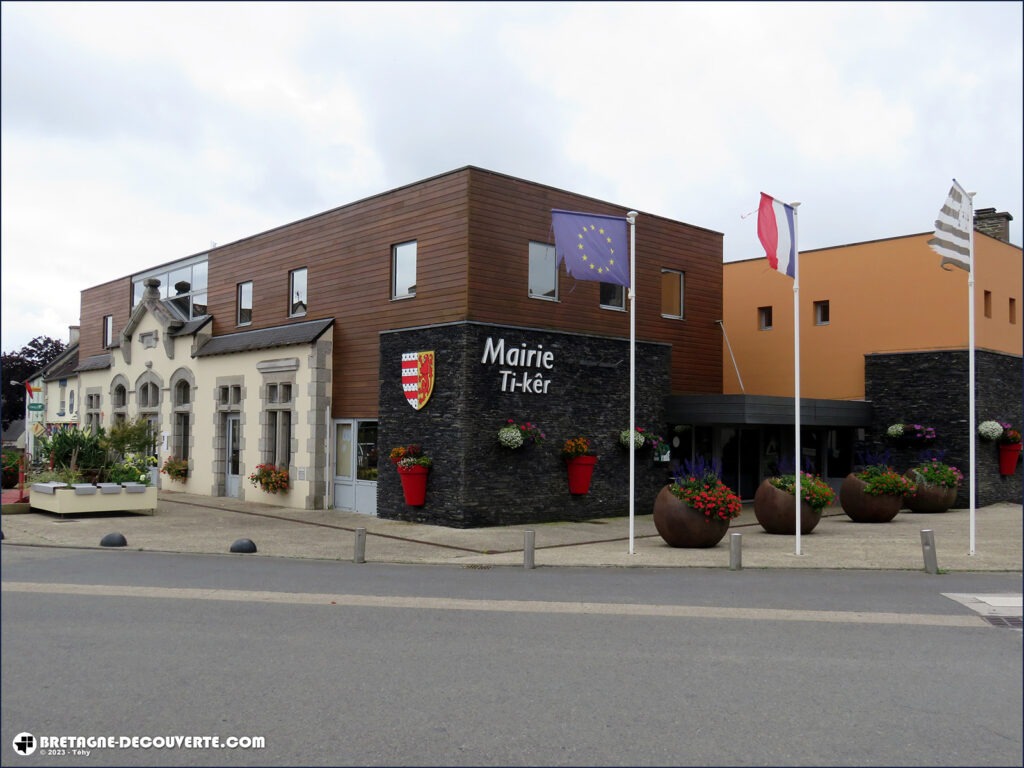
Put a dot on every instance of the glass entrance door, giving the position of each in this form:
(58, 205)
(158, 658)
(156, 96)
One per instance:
(232, 459)
(355, 466)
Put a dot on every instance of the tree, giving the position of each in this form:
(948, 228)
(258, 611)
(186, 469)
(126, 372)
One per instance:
(17, 367)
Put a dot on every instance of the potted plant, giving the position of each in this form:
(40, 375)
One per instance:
(412, 466)
(775, 503)
(935, 484)
(132, 469)
(874, 494)
(579, 462)
(513, 435)
(271, 479)
(695, 509)
(639, 438)
(175, 468)
(910, 434)
(1007, 438)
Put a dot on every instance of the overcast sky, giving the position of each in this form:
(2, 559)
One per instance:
(135, 133)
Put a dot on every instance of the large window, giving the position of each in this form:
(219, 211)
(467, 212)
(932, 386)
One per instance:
(244, 303)
(183, 282)
(297, 291)
(181, 437)
(278, 424)
(403, 270)
(543, 272)
(673, 285)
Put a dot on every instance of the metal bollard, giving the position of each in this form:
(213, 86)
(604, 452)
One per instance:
(735, 551)
(931, 560)
(528, 537)
(360, 551)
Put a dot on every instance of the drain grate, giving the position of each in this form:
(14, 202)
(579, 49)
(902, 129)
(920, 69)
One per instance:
(1014, 622)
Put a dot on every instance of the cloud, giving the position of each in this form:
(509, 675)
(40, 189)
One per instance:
(137, 133)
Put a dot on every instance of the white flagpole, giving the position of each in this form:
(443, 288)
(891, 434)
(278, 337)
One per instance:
(970, 364)
(796, 364)
(631, 218)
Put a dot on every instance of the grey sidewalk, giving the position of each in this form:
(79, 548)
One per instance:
(201, 524)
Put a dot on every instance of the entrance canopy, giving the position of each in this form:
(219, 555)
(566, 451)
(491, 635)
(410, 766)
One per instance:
(763, 409)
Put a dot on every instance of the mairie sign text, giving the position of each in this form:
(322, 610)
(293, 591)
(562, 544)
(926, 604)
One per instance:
(521, 367)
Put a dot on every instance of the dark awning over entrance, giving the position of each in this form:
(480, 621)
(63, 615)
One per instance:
(762, 409)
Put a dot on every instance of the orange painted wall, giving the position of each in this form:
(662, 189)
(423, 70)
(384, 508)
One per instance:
(884, 296)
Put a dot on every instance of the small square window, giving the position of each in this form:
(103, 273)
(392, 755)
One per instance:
(764, 318)
(286, 393)
(613, 296)
(543, 272)
(236, 395)
(821, 313)
(271, 393)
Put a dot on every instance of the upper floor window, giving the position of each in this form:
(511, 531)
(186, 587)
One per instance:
(182, 393)
(297, 292)
(244, 303)
(764, 318)
(1013, 311)
(673, 284)
(184, 283)
(543, 272)
(108, 331)
(119, 396)
(987, 300)
(149, 395)
(403, 270)
(613, 296)
(821, 313)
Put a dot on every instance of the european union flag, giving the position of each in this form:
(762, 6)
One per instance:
(593, 246)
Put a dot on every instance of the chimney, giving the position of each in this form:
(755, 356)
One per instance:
(993, 224)
(72, 334)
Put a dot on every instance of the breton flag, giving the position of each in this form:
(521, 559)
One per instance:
(952, 239)
(593, 246)
(776, 229)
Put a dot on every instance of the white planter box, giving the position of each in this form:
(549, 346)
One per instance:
(65, 500)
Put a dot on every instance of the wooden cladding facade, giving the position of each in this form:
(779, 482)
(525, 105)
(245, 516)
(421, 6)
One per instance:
(472, 228)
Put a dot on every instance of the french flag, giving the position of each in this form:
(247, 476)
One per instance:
(776, 229)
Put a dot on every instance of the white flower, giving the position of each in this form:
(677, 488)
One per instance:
(510, 436)
(638, 438)
(896, 430)
(990, 430)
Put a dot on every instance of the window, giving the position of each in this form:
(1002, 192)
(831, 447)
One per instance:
(1013, 311)
(613, 296)
(403, 270)
(244, 304)
(764, 318)
(149, 395)
(181, 434)
(297, 292)
(93, 403)
(183, 284)
(672, 289)
(543, 272)
(108, 331)
(119, 396)
(988, 303)
(63, 387)
(278, 424)
(821, 313)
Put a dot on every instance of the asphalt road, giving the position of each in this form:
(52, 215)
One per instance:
(333, 663)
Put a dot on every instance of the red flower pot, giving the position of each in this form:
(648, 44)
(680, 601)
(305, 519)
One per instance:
(1009, 455)
(414, 484)
(581, 469)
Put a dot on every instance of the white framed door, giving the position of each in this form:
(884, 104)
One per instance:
(232, 458)
(355, 465)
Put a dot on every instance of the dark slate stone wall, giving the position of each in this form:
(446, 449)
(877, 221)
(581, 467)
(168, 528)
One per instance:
(474, 480)
(930, 388)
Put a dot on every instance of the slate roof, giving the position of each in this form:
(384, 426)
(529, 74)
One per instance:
(95, 363)
(266, 338)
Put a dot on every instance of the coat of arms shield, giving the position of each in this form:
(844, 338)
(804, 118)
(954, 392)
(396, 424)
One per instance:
(418, 377)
